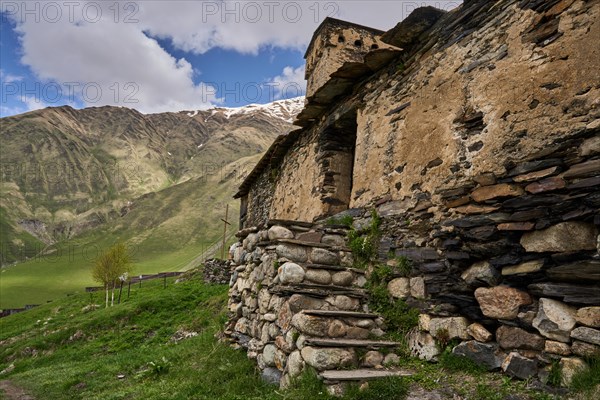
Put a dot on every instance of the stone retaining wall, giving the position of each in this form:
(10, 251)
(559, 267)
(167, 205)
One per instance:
(508, 264)
(294, 284)
(216, 271)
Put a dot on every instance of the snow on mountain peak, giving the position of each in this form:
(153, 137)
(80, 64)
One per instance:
(286, 110)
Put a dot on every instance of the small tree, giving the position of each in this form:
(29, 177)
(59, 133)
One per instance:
(111, 265)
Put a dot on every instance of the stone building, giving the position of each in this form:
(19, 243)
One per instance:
(475, 135)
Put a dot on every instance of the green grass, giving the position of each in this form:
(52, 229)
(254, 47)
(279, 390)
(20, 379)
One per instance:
(165, 231)
(131, 339)
(68, 269)
(15, 244)
(62, 351)
(345, 220)
(589, 379)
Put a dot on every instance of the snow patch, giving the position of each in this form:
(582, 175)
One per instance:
(286, 110)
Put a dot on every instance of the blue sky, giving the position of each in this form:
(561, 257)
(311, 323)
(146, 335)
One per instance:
(159, 56)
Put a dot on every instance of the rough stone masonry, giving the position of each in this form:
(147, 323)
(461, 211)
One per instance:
(475, 135)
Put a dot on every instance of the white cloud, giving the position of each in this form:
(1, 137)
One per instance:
(113, 54)
(247, 26)
(6, 111)
(289, 84)
(9, 78)
(111, 63)
(33, 103)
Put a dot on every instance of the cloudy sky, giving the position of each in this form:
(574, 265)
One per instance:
(160, 56)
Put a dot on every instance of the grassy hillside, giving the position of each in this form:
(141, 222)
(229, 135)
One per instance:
(74, 182)
(159, 343)
(66, 172)
(135, 350)
(164, 230)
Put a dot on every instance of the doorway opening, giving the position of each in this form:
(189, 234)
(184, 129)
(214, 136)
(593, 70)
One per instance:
(337, 144)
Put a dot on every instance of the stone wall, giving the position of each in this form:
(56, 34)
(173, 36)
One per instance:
(334, 43)
(299, 181)
(486, 95)
(260, 199)
(512, 267)
(216, 271)
(296, 300)
(479, 148)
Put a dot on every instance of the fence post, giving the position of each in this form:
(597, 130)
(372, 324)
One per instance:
(225, 223)
(120, 290)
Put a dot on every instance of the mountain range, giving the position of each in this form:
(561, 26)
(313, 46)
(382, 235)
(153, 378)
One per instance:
(161, 182)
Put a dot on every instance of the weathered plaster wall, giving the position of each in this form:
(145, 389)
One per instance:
(491, 98)
(260, 199)
(296, 194)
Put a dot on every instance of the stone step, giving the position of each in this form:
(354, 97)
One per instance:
(308, 244)
(341, 314)
(369, 344)
(360, 374)
(286, 223)
(317, 290)
(331, 267)
(308, 226)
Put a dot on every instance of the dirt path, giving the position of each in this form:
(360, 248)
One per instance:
(13, 392)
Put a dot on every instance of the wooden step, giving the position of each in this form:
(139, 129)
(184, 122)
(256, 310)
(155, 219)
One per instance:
(316, 290)
(341, 314)
(369, 344)
(361, 374)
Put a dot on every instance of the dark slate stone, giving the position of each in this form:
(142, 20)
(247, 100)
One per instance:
(481, 233)
(397, 109)
(531, 166)
(476, 146)
(585, 183)
(510, 258)
(568, 292)
(456, 255)
(578, 213)
(569, 257)
(593, 200)
(271, 376)
(432, 267)
(406, 32)
(491, 249)
(479, 220)
(528, 215)
(533, 201)
(580, 271)
(418, 254)
(520, 367)
(451, 243)
(242, 339)
(487, 355)
(455, 192)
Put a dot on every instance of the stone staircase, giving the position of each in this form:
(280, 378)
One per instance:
(296, 301)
